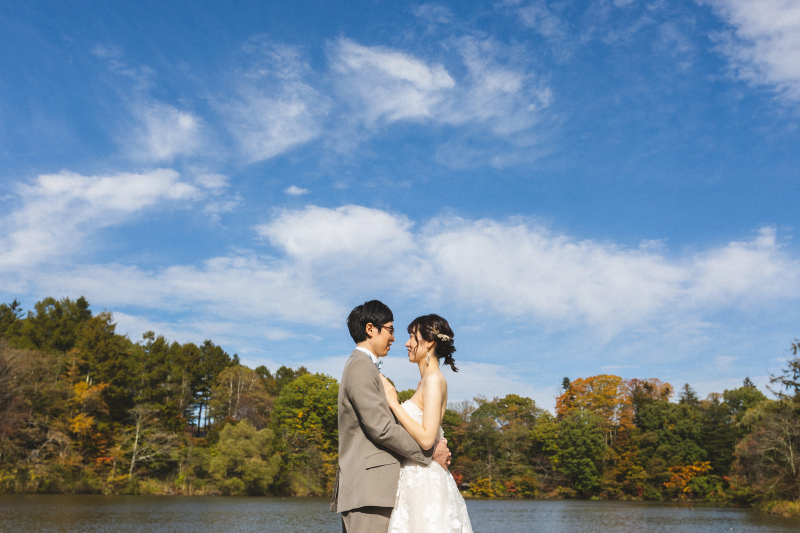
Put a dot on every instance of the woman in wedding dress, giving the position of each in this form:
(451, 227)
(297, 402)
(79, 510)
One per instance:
(427, 500)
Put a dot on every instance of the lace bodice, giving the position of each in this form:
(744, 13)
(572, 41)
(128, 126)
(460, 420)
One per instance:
(416, 413)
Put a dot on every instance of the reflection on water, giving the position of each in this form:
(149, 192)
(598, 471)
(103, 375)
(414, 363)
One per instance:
(160, 514)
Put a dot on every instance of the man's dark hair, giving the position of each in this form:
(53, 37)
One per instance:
(374, 312)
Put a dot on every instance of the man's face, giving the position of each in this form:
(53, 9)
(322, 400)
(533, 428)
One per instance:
(381, 341)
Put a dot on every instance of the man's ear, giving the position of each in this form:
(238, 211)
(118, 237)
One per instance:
(370, 330)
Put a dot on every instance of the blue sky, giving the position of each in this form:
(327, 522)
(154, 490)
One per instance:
(606, 186)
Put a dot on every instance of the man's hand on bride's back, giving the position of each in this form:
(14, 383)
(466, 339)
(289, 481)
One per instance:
(441, 454)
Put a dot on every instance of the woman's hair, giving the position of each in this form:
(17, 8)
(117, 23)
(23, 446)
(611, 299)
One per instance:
(433, 328)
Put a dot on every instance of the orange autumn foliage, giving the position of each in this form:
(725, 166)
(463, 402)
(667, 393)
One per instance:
(605, 396)
(683, 474)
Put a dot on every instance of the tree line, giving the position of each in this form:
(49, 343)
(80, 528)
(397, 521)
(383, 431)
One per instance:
(86, 410)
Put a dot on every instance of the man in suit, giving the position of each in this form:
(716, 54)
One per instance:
(371, 441)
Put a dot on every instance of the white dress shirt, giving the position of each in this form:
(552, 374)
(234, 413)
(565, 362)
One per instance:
(370, 354)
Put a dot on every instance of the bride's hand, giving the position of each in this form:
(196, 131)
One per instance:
(389, 390)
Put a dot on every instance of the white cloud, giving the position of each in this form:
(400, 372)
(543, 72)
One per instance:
(527, 272)
(217, 206)
(328, 258)
(497, 93)
(294, 190)
(218, 199)
(540, 18)
(764, 42)
(114, 58)
(386, 84)
(433, 13)
(318, 233)
(350, 250)
(742, 271)
(166, 133)
(522, 270)
(57, 211)
(228, 331)
(248, 292)
(161, 132)
(211, 181)
(267, 124)
(275, 110)
(503, 96)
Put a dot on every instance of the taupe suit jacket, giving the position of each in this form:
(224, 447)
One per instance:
(371, 441)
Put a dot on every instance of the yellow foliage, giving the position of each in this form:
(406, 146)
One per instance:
(81, 424)
(682, 475)
(89, 398)
(484, 488)
(606, 396)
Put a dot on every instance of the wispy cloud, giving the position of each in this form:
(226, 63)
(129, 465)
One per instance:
(56, 212)
(142, 76)
(275, 108)
(265, 290)
(385, 85)
(389, 85)
(496, 92)
(433, 14)
(218, 200)
(156, 131)
(165, 133)
(294, 190)
(278, 102)
(239, 301)
(543, 20)
(763, 43)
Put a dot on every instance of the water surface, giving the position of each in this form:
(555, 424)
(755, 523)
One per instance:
(164, 514)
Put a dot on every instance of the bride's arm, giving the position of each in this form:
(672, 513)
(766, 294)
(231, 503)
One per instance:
(424, 434)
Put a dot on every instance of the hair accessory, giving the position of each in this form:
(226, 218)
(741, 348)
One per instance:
(441, 336)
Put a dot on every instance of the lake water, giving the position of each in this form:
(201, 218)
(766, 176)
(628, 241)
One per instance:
(163, 514)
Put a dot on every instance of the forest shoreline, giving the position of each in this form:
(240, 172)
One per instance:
(782, 508)
(84, 410)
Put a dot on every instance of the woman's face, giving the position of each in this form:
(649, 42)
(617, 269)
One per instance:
(417, 347)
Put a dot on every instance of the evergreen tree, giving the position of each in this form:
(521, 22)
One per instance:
(688, 396)
(582, 450)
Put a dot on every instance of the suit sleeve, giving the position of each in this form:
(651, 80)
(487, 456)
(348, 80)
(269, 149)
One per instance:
(366, 395)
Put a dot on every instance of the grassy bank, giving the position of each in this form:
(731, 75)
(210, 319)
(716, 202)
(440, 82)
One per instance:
(782, 508)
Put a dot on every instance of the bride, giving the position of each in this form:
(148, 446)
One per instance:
(427, 497)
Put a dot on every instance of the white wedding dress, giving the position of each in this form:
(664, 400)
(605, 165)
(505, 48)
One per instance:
(427, 500)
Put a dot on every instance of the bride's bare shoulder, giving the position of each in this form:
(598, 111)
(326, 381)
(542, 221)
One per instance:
(435, 380)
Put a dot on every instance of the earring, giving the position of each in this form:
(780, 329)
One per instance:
(427, 358)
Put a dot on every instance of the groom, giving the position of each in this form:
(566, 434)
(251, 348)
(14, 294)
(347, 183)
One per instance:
(371, 441)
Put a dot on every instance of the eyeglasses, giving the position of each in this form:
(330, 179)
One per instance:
(390, 329)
